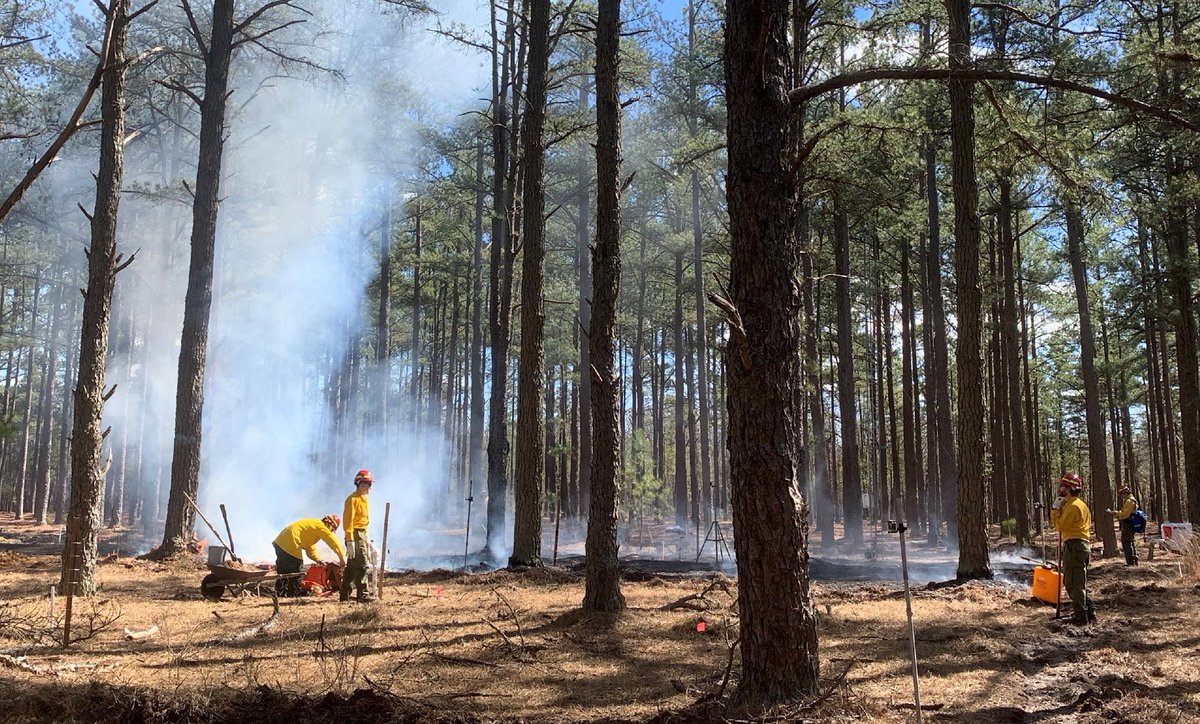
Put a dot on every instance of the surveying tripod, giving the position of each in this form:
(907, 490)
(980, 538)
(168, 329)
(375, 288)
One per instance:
(714, 535)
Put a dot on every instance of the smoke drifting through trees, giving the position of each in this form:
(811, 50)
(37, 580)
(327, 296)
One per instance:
(308, 167)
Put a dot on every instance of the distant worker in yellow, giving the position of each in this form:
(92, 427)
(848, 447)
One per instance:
(1073, 521)
(303, 536)
(356, 519)
(1125, 520)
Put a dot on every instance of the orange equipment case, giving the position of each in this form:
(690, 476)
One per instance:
(1046, 584)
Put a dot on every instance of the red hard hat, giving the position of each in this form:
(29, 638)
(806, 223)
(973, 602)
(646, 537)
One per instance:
(363, 476)
(332, 521)
(1071, 480)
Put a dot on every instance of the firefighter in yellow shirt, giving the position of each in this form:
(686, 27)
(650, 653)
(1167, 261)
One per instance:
(1073, 521)
(356, 519)
(302, 536)
(1125, 520)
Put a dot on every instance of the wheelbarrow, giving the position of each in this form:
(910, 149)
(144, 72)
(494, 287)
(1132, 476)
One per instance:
(224, 576)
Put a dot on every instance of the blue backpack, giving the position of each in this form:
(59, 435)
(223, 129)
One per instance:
(1138, 520)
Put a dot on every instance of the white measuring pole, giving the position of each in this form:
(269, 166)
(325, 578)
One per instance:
(912, 633)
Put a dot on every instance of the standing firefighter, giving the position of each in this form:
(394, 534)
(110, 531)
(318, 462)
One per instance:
(303, 536)
(1073, 520)
(356, 518)
(1125, 520)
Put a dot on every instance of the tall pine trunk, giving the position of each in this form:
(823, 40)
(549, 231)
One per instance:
(500, 295)
(527, 523)
(475, 427)
(193, 351)
(972, 532)
(779, 636)
(583, 261)
(602, 588)
(87, 475)
(851, 472)
(1179, 275)
(1098, 482)
(681, 485)
(1018, 477)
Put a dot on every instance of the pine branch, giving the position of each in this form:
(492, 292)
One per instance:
(799, 96)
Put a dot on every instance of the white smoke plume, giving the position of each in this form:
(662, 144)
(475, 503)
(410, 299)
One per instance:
(310, 164)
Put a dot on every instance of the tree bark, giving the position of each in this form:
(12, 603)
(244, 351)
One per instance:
(972, 534)
(27, 421)
(500, 294)
(937, 375)
(706, 484)
(527, 525)
(87, 477)
(851, 472)
(602, 586)
(41, 496)
(1018, 477)
(1100, 487)
(1179, 275)
(681, 485)
(823, 503)
(475, 433)
(193, 352)
(779, 636)
(583, 262)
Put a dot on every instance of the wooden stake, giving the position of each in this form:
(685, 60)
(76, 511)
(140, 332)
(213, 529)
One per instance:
(228, 532)
(387, 511)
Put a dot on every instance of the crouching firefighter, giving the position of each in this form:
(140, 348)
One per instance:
(302, 536)
(356, 538)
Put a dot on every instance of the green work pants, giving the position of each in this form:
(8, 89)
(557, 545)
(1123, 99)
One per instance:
(286, 563)
(1075, 564)
(1131, 558)
(356, 567)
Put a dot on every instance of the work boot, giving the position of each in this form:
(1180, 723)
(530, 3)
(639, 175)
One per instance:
(1091, 617)
(1079, 621)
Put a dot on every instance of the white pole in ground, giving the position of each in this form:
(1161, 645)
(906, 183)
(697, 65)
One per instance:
(912, 633)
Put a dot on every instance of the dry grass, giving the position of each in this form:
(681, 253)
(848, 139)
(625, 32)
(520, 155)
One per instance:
(443, 646)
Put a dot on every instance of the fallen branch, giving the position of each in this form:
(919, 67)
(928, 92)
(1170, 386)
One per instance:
(131, 635)
(728, 669)
(693, 601)
(507, 640)
(22, 663)
(463, 660)
(261, 628)
(837, 682)
(513, 611)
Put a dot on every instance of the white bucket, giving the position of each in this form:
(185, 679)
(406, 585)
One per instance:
(216, 555)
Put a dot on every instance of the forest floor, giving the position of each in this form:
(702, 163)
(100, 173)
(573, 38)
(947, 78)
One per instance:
(446, 646)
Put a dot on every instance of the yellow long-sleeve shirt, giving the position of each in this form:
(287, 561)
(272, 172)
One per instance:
(1073, 520)
(1127, 508)
(354, 515)
(304, 534)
